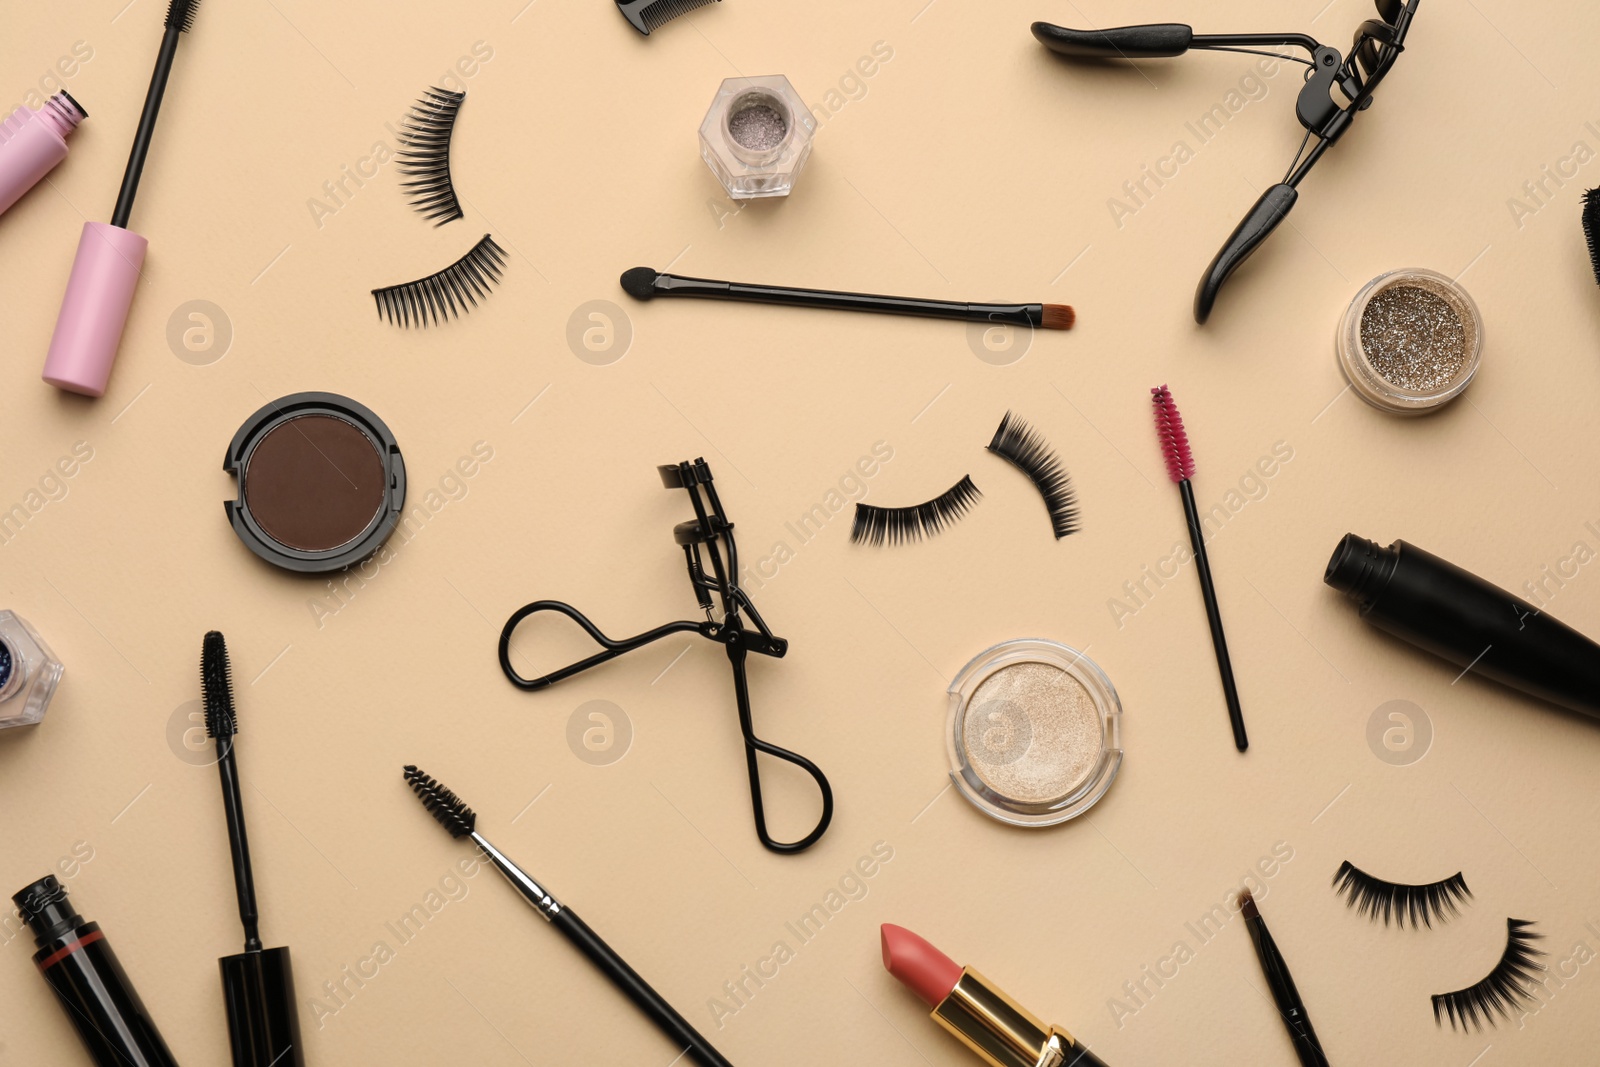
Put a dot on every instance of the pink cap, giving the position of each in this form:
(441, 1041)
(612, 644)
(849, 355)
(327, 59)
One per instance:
(95, 309)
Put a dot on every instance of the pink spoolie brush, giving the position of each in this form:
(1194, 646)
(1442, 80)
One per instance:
(1180, 466)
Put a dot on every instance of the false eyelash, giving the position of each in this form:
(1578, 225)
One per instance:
(875, 525)
(451, 292)
(1414, 904)
(1027, 450)
(425, 155)
(1502, 991)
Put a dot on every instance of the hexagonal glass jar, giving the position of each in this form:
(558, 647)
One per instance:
(757, 136)
(29, 672)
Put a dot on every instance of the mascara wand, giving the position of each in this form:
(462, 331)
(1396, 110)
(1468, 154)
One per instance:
(105, 272)
(460, 820)
(1180, 466)
(257, 984)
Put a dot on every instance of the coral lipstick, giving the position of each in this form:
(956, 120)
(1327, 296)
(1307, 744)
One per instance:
(991, 1024)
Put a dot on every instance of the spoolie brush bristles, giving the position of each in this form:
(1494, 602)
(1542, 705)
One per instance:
(216, 682)
(444, 805)
(180, 15)
(1058, 317)
(1591, 228)
(1174, 442)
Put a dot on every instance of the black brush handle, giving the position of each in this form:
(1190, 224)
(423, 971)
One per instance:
(1013, 314)
(1202, 566)
(147, 127)
(638, 990)
(1287, 998)
(244, 882)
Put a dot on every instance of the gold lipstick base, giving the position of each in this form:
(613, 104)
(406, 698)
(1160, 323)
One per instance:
(999, 1029)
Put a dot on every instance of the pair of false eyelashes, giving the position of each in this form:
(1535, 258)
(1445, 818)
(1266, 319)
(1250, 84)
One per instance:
(1499, 993)
(424, 159)
(1014, 441)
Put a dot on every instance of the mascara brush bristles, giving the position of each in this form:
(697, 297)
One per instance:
(1174, 441)
(1591, 229)
(180, 15)
(216, 683)
(450, 810)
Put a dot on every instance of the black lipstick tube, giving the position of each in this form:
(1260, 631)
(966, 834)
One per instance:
(76, 959)
(1459, 617)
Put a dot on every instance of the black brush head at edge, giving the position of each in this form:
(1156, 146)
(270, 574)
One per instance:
(1247, 904)
(216, 684)
(449, 809)
(180, 15)
(640, 282)
(1591, 228)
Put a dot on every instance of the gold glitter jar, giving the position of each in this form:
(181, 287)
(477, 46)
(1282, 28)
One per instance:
(1411, 341)
(1035, 732)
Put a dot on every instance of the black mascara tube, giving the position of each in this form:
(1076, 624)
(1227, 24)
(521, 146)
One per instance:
(76, 959)
(1459, 617)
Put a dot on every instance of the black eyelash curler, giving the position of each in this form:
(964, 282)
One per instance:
(710, 528)
(1378, 43)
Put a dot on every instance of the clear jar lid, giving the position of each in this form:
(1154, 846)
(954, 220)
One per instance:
(1034, 732)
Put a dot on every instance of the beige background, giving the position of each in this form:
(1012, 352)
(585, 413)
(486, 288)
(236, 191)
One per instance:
(970, 165)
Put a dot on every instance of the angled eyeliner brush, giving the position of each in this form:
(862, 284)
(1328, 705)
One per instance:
(257, 984)
(461, 821)
(1180, 466)
(646, 283)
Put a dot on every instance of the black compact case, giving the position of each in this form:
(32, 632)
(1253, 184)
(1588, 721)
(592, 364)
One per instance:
(322, 482)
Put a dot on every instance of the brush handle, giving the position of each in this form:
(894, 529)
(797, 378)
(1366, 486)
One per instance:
(147, 127)
(604, 957)
(1013, 314)
(1287, 998)
(1202, 566)
(244, 882)
(638, 990)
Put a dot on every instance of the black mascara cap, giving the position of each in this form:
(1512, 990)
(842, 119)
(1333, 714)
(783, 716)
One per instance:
(263, 1023)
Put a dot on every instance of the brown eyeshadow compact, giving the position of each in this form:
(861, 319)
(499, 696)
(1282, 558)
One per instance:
(321, 482)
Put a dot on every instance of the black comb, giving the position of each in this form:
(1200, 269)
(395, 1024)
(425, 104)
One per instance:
(180, 15)
(452, 813)
(648, 15)
(216, 682)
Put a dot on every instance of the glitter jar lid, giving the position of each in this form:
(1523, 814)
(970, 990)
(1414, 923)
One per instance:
(1411, 341)
(1034, 733)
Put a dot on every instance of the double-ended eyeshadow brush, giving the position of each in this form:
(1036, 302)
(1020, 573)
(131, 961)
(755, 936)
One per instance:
(647, 283)
(1180, 467)
(105, 272)
(257, 984)
(461, 821)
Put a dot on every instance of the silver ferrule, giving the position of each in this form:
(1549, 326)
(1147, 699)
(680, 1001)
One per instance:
(545, 904)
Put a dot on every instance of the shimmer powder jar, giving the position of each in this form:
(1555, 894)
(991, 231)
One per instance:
(321, 482)
(1411, 341)
(756, 137)
(1034, 734)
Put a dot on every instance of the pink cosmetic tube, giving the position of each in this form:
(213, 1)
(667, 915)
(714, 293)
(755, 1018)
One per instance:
(95, 309)
(32, 143)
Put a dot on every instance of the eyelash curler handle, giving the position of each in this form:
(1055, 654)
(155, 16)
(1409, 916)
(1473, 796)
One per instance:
(1153, 41)
(1257, 226)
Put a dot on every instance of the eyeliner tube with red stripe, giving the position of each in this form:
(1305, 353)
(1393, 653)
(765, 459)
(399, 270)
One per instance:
(76, 959)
